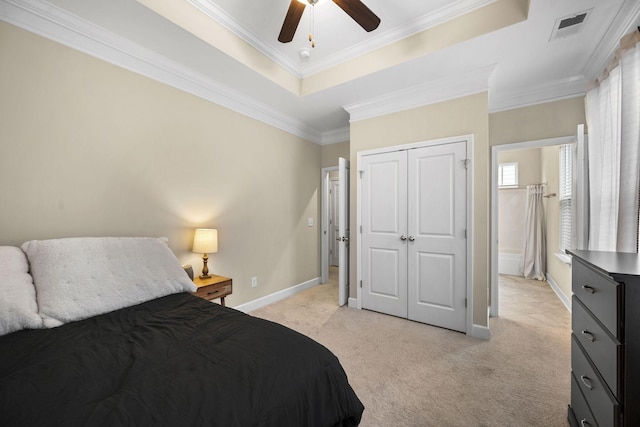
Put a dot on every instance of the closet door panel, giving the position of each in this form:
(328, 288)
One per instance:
(434, 209)
(436, 279)
(384, 257)
(437, 185)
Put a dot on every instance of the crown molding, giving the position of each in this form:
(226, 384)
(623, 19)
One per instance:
(447, 88)
(335, 136)
(374, 42)
(214, 12)
(54, 23)
(624, 22)
(548, 92)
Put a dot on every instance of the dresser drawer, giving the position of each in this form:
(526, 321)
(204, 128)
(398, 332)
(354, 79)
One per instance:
(579, 406)
(604, 351)
(604, 407)
(601, 295)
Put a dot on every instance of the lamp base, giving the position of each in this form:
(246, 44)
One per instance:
(205, 270)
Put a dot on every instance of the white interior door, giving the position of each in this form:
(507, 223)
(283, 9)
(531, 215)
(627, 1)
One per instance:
(343, 231)
(437, 252)
(384, 220)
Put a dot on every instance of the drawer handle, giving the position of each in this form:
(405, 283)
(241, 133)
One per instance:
(588, 289)
(586, 381)
(213, 293)
(584, 422)
(588, 335)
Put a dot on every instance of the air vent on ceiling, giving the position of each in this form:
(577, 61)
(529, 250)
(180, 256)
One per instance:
(570, 25)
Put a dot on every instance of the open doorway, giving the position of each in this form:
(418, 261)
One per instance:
(536, 162)
(335, 226)
(329, 175)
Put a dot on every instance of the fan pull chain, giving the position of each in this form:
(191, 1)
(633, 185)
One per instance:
(312, 20)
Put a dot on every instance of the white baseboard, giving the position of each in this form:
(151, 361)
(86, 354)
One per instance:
(564, 298)
(277, 296)
(481, 332)
(477, 331)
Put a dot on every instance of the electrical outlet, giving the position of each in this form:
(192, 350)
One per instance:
(254, 282)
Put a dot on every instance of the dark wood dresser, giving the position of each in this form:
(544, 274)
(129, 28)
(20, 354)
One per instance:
(605, 343)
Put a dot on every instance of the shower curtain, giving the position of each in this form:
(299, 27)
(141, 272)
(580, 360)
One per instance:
(535, 256)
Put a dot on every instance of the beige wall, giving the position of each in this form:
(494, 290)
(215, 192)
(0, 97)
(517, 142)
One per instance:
(542, 121)
(87, 148)
(529, 164)
(463, 116)
(329, 154)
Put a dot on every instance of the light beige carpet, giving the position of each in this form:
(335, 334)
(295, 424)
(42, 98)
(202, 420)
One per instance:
(410, 374)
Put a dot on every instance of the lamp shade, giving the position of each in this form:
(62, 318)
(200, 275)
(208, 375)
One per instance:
(205, 241)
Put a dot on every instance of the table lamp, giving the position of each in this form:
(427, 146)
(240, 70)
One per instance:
(205, 242)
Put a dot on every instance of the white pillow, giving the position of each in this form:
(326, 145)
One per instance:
(18, 307)
(77, 278)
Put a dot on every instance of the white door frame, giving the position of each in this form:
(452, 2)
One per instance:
(333, 250)
(469, 140)
(526, 145)
(324, 273)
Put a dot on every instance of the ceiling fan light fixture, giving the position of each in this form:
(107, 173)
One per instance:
(305, 55)
(357, 10)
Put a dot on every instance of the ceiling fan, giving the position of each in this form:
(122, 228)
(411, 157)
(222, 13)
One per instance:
(354, 8)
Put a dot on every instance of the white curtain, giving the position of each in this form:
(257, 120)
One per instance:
(613, 119)
(535, 256)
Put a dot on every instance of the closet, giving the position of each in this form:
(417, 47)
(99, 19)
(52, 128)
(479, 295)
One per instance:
(414, 232)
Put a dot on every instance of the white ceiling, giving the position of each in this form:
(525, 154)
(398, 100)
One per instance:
(337, 36)
(522, 65)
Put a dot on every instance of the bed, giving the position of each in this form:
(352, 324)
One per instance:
(87, 341)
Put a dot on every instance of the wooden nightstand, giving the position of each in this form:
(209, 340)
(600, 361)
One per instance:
(213, 287)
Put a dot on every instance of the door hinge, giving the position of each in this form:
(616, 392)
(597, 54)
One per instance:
(360, 283)
(360, 229)
(465, 303)
(466, 163)
(465, 233)
(361, 173)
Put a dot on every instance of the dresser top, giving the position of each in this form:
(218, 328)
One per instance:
(611, 263)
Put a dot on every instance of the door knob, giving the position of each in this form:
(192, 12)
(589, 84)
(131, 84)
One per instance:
(403, 237)
(345, 239)
(411, 238)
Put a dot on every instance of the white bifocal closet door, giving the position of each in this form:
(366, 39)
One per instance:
(414, 245)
(384, 257)
(437, 262)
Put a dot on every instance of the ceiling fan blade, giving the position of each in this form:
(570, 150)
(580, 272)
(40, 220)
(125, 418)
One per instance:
(360, 13)
(291, 21)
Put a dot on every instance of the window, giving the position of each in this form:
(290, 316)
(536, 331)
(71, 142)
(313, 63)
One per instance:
(507, 175)
(566, 197)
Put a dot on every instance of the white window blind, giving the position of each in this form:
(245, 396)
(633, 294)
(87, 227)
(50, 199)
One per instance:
(566, 179)
(508, 175)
